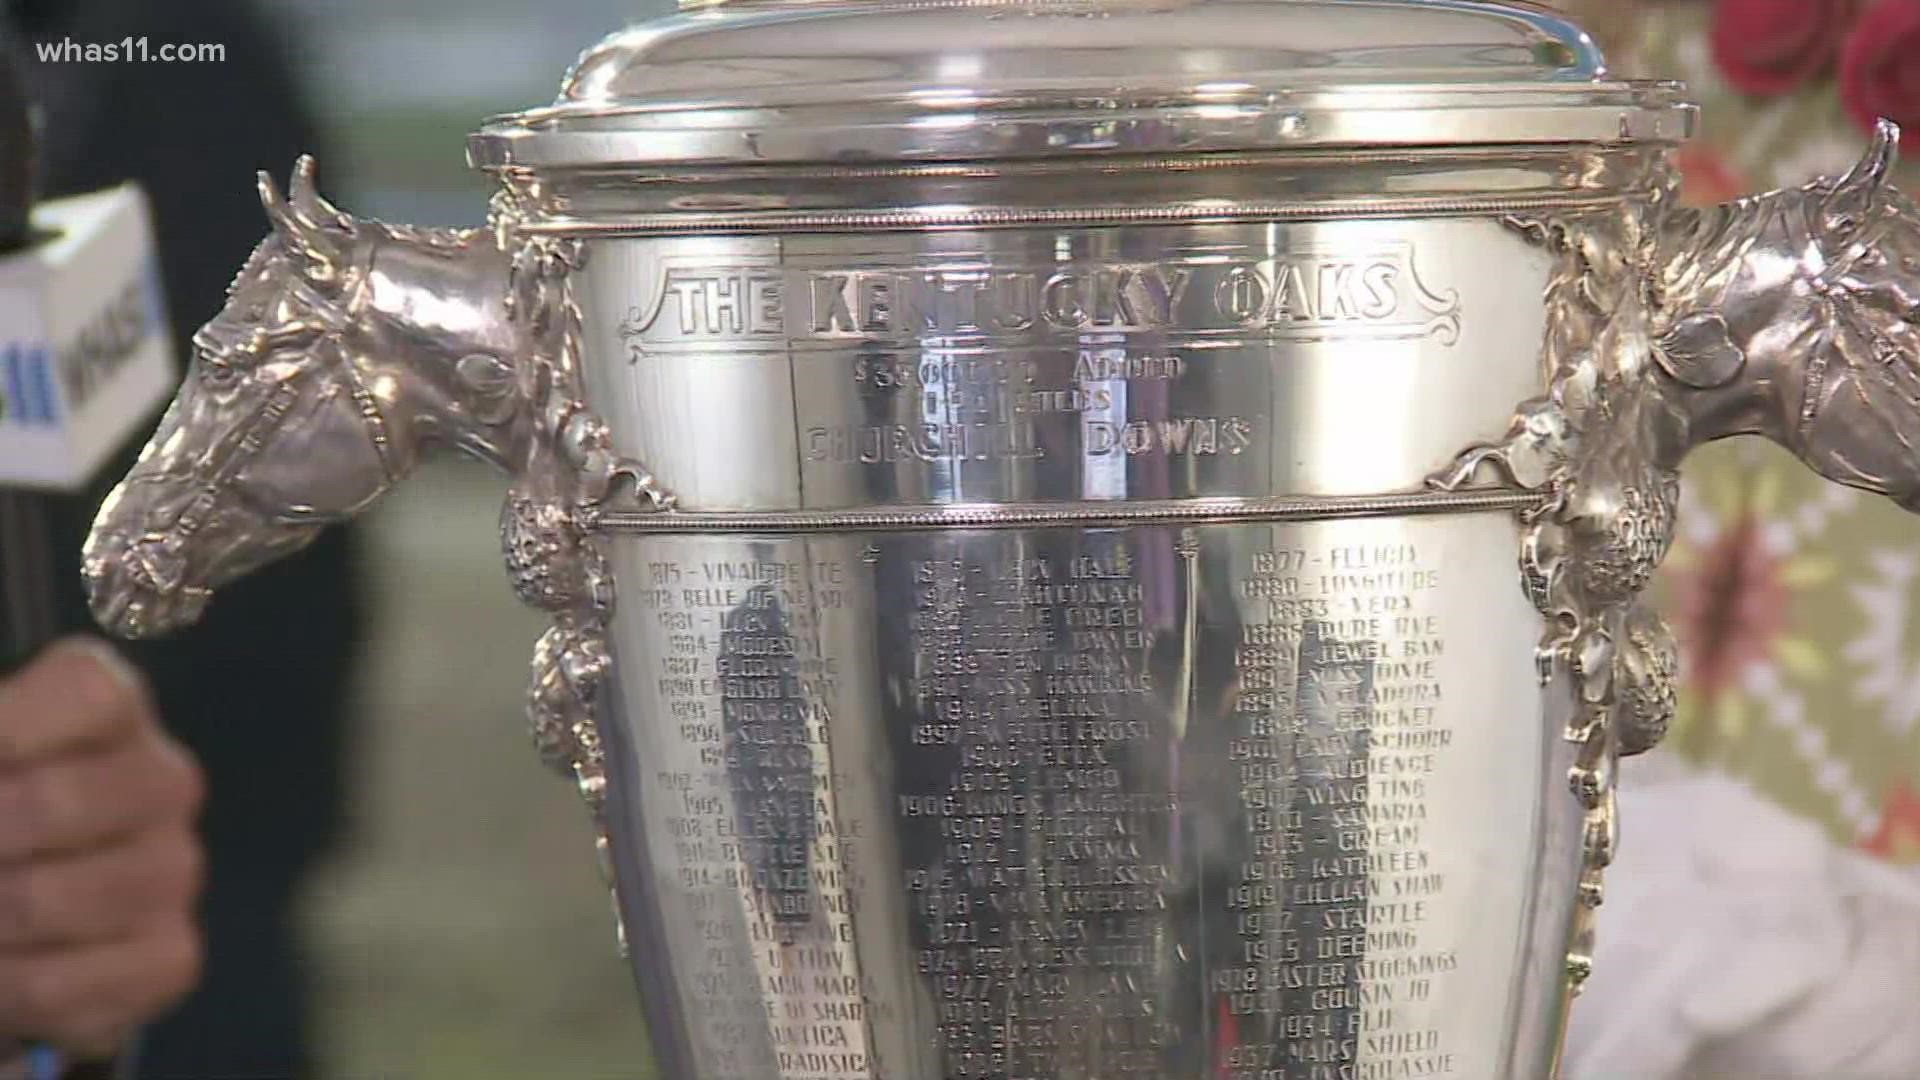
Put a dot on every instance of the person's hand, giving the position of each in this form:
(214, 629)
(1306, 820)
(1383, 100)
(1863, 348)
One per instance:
(100, 862)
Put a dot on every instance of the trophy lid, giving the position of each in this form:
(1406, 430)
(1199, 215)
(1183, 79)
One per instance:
(876, 81)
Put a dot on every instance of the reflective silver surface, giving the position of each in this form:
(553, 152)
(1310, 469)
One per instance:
(337, 362)
(1140, 800)
(1048, 618)
(1060, 365)
(1248, 800)
(825, 81)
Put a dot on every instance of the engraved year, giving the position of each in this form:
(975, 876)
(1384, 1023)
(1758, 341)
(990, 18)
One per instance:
(1279, 562)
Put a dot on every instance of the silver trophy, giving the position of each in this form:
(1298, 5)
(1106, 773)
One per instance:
(1049, 579)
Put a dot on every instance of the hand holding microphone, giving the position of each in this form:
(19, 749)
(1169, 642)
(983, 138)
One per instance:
(99, 853)
(100, 865)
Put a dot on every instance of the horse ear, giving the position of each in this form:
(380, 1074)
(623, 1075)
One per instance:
(1856, 194)
(1699, 352)
(278, 212)
(298, 223)
(312, 207)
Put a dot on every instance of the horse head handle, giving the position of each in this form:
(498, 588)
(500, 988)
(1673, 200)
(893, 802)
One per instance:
(1796, 316)
(1793, 315)
(346, 349)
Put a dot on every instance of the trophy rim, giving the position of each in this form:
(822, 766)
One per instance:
(1359, 120)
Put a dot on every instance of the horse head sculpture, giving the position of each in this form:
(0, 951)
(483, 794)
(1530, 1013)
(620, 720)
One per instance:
(1796, 316)
(1793, 315)
(346, 350)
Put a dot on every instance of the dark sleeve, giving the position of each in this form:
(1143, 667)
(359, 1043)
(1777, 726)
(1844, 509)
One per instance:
(260, 689)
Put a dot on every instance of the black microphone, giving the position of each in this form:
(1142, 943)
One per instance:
(86, 360)
(27, 618)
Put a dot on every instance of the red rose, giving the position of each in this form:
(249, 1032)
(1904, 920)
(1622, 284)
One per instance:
(1773, 46)
(1880, 72)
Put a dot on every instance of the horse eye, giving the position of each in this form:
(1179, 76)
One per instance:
(219, 374)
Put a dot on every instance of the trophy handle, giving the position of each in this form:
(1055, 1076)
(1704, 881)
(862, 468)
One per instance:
(1793, 315)
(347, 351)
(1796, 316)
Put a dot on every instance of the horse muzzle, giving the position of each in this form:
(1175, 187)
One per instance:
(138, 589)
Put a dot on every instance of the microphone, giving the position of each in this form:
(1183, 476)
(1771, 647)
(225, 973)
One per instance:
(86, 356)
(86, 360)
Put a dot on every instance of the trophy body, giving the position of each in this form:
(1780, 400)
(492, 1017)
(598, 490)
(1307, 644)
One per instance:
(1084, 539)
(1052, 668)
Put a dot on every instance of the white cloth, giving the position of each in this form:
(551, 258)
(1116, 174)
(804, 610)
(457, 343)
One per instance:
(1740, 941)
